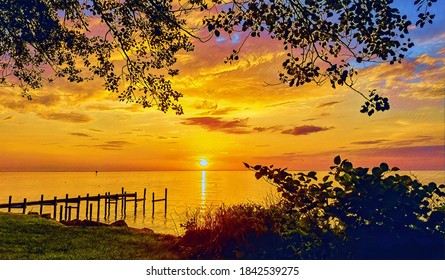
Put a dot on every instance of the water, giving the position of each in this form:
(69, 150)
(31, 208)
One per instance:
(187, 191)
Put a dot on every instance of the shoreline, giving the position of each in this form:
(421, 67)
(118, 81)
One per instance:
(31, 237)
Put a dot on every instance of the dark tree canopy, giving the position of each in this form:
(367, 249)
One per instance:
(43, 39)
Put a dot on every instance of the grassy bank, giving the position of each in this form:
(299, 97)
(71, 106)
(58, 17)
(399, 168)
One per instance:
(32, 237)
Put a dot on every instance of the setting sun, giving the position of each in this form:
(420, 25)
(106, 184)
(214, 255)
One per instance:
(203, 162)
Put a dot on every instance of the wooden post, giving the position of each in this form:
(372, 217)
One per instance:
(98, 206)
(153, 204)
(165, 201)
(41, 204)
(122, 206)
(55, 208)
(60, 214)
(91, 211)
(135, 203)
(106, 205)
(87, 204)
(143, 203)
(9, 203)
(69, 213)
(109, 202)
(78, 208)
(24, 206)
(125, 203)
(115, 206)
(66, 207)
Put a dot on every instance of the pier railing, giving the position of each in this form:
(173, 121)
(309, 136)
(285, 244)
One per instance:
(69, 204)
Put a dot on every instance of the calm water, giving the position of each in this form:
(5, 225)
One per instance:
(187, 191)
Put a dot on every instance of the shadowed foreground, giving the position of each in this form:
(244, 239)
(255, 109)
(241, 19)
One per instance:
(32, 237)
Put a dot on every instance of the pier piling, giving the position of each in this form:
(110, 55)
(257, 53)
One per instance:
(91, 211)
(55, 208)
(24, 205)
(153, 204)
(78, 208)
(98, 207)
(87, 204)
(165, 203)
(9, 203)
(66, 205)
(143, 201)
(41, 204)
(135, 203)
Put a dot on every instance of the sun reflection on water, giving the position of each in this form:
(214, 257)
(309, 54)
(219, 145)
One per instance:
(203, 187)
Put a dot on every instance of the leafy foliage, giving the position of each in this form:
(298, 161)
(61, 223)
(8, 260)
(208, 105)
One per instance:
(79, 40)
(324, 39)
(72, 36)
(246, 231)
(361, 212)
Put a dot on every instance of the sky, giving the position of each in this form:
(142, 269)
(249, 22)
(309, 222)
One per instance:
(232, 116)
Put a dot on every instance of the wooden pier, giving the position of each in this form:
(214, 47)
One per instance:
(68, 205)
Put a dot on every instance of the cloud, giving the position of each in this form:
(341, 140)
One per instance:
(270, 128)
(305, 130)
(8, 118)
(207, 105)
(310, 119)
(223, 111)
(114, 145)
(80, 134)
(96, 130)
(212, 108)
(421, 78)
(235, 126)
(327, 104)
(281, 103)
(113, 106)
(370, 142)
(66, 117)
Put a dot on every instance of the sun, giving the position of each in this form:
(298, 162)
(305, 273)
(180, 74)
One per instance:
(203, 162)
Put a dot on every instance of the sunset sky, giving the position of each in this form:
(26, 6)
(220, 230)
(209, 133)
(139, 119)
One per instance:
(231, 116)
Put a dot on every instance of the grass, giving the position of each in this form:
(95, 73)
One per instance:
(31, 237)
(245, 231)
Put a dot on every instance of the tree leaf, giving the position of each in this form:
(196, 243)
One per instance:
(384, 167)
(337, 160)
(347, 166)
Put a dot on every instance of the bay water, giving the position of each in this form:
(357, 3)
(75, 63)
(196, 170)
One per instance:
(188, 192)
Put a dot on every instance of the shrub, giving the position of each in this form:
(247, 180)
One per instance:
(358, 213)
(246, 231)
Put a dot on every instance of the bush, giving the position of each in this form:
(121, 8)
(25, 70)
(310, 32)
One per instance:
(358, 213)
(247, 231)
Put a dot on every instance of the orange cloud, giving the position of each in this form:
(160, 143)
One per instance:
(305, 130)
(66, 117)
(236, 126)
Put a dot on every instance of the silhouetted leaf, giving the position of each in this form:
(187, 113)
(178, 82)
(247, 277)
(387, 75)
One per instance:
(337, 160)
(312, 174)
(384, 167)
(376, 171)
(347, 166)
